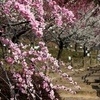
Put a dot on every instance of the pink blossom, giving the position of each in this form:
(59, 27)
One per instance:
(7, 7)
(70, 79)
(33, 60)
(65, 75)
(43, 68)
(78, 87)
(45, 85)
(20, 79)
(47, 79)
(44, 49)
(41, 74)
(47, 89)
(41, 44)
(39, 58)
(59, 22)
(16, 75)
(23, 91)
(62, 63)
(29, 72)
(40, 10)
(39, 33)
(30, 52)
(25, 54)
(10, 60)
(70, 67)
(5, 41)
(52, 96)
(11, 98)
(34, 24)
(71, 14)
(16, 6)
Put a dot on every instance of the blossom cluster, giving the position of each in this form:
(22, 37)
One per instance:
(60, 13)
(28, 60)
(31, 60)
(34, 12)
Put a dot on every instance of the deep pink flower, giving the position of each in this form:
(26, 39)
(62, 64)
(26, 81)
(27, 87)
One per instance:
(10, 60)
(39, 33)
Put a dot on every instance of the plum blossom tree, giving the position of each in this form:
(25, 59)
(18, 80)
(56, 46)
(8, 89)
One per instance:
(88, 28)
(32, 63)
(84, 30)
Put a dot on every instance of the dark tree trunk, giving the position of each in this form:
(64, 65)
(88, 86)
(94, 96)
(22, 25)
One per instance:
(17, 36)
(84, 51)
(60, 50)
(4, 50)
(76, 47)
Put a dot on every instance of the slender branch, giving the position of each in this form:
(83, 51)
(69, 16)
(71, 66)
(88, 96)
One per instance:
(4, 81)
(17, 36)
(6, 75)
(12, 92)
(3, 95)
(16, 24)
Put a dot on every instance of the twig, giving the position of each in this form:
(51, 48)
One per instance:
(3, 95)
(4, 81)
(12, 92)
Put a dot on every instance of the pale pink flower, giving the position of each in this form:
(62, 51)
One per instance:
(41, 74)
(12, 87)
(52, 96)
(33, 59)
(43, 68)
(47, 89)
(70, 79)
(25, 54)
(23, 91)
(11, 98)
(59, 21)
(70, 67)
(65, 75)
(20, 79)
(47, 79)
(45, 85)
(16, 75)
(34, 24)
(71, 14)
(41, 44)
(39, 58)
(45, 49)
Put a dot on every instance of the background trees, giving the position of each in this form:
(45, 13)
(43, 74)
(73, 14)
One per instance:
(82, 31)
(25, 63)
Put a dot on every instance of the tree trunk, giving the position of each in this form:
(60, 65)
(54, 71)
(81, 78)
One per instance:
(84, 51)
(60, 50)
(76, 47)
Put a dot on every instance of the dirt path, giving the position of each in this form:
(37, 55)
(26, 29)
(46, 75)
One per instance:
(86, 92)
(80, 98)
